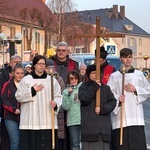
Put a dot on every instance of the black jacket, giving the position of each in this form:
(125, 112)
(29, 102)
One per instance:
(92, 124)
(4, 76)
(9, 101)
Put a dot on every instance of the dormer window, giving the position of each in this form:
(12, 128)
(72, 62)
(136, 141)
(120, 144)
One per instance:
(128, 27)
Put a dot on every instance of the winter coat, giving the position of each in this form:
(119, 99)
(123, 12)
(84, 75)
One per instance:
(63, 68)
(93, 124)
(71, 104)
(9, 101)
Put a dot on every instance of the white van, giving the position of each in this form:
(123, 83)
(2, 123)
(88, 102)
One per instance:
(88, 59)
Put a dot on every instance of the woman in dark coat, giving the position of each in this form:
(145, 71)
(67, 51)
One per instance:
(95, 121)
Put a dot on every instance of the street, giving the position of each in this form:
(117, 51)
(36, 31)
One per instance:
(146, 106)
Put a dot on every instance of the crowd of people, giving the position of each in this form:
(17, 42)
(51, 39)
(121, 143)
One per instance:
(51, 104)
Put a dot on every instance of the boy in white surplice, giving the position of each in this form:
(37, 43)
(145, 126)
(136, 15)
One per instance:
(136, 90)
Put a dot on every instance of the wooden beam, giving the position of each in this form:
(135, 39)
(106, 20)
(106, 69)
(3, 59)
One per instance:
(97, 35)
(97, 60)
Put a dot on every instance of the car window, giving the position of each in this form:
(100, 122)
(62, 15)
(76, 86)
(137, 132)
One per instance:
(88, 62)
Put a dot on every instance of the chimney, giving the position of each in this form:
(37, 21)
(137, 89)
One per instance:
(44, 1)
(115, 11)
(122, 11)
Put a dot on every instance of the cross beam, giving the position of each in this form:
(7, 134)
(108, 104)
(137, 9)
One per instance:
(98, 35)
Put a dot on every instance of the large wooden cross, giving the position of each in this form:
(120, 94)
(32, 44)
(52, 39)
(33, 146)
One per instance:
(97, 36)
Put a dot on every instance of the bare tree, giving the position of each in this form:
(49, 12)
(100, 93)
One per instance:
(86, 28)
(30, 16)
(60, 8)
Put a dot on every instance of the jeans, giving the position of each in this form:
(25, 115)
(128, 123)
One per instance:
(75, 134)
(13, 132)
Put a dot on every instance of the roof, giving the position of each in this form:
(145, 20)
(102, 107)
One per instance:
(113, 24)
(15, 6)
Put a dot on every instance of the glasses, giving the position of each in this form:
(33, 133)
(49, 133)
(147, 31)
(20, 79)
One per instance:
(41, 64)
(61, 50)
(73, 78)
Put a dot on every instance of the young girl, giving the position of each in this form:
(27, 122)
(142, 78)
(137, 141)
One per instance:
(71, 104)
(12, 107)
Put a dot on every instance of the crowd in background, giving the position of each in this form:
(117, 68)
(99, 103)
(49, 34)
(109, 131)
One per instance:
(53, 103)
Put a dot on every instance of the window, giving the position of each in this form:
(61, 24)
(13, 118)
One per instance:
(123, 41)
(140, 42)
(37, 41)
(12, 32)
(131, 41)
(24, 40)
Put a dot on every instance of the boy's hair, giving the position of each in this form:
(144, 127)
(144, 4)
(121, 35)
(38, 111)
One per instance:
(126, 52)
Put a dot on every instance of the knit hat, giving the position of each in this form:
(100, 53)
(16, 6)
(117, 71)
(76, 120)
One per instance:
(89, 69)
(103, 54)
(28, 66)
(49, 62)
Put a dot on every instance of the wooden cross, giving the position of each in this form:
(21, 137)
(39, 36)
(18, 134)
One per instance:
(97, 36)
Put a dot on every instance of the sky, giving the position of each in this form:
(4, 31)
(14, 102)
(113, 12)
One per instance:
(138, 11)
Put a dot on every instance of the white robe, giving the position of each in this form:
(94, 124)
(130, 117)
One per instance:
(133, 110)
(36, 110)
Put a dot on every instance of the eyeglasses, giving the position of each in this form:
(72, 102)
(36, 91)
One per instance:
(73, 78)
(61, 50)
(41, 64)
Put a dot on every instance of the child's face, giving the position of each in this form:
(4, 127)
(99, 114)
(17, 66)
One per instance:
(82, 71)
(127, 61)
(18, 74)
(73, 80)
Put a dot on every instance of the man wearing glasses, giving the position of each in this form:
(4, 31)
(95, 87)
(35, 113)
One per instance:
(63, 64)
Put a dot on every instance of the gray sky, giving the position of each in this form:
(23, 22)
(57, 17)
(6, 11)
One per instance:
(138, 11)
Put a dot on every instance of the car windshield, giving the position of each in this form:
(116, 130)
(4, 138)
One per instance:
(88, 62)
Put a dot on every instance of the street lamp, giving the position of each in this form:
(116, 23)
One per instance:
(3, 41)
(145, 58)
(17, 39)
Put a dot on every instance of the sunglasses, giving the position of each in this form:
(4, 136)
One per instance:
(61, 50)
(73, 78)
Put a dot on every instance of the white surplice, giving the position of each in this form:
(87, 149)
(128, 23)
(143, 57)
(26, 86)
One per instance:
(133, 110)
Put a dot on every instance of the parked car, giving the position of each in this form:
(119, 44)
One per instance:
(26, 63)
(88, 59)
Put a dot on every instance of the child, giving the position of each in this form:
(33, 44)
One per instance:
(95, 121)
(71, 104)
(82, 69)
(136, 90)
